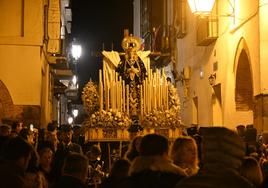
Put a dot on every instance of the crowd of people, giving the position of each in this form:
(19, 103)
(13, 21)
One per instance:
(208, 157)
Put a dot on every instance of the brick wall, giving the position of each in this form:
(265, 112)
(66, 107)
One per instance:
(28, 114)
(6, 103)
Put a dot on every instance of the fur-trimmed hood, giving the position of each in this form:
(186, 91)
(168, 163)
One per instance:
(155, 163)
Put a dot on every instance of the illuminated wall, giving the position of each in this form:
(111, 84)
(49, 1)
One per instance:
(22, 57)
(245, 32)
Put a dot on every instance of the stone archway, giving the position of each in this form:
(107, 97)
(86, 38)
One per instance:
(6, 103)
(244, 99)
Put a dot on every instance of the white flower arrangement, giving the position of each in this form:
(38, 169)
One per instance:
(109, 119)
(162, 119)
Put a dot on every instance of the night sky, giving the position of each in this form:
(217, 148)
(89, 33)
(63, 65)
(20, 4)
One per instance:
(96, 22)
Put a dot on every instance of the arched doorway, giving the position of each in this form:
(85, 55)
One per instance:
(244, 91)
(244, 86)
(6, 103)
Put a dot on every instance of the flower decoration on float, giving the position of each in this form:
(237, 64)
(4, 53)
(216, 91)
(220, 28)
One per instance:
(109, 119)
(162, 119)
(90, 97)
(169, 118)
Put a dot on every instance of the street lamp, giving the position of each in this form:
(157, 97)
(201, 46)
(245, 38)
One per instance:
(201, 6)
(76, 51)
(74, 80)
(212, 79)
(70, 120)
(75, 113)
(204, 7)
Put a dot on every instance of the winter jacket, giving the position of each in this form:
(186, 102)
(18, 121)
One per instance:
(223, 152)
(153, 172)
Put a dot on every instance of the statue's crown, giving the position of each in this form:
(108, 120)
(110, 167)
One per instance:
(131, 43)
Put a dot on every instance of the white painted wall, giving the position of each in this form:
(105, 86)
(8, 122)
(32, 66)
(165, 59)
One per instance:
(246, 25)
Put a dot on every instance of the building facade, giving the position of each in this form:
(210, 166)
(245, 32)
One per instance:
(32, 45)
(220, 71)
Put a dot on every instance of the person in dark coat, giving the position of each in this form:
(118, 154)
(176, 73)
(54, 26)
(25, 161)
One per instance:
(66, 135)
(16, 128)
(118, 173)
(251, 170)
(75, 169)
(5, 131)
(95, 168)
(64, 148)
(153, 168)
(14, 164)
(222, 154)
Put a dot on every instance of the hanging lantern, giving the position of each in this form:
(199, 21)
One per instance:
(201, 6)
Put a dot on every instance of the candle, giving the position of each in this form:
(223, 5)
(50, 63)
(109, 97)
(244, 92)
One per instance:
(107, 97)
(141, 103)
(118, 96)
(120, 93)
(100, 90)
(101, 96)
(123, 85)
(164, 94)
(127, 93)
(112, 95)
(161, 95)
(104, 75)
(144, 95)
(167, 96)
(158, 89)
(154, 91)
(149, 95)
(100, 76)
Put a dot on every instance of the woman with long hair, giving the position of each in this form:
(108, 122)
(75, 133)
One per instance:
(133, 149)
(184, 154)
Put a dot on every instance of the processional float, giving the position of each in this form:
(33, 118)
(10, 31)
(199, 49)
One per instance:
(130, 95)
